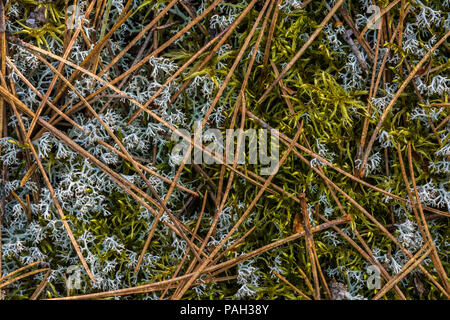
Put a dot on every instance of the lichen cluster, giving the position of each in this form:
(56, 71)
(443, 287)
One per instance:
(370, 149)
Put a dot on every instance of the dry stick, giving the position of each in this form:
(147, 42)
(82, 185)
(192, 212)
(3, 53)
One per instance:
(180, 265)
(321, 275)
(447, 118)
(387, 31)
(430, 70)
(369, 251)
(344, 213)
(160, 214)
(400, 32)
(377, 83)
(435, 256)
(309, 239)
(209, 182)
(386, 164)
(191, 13)
(137, 58)
(55, 78)
(443, 104)
(2, 126)
(223, 36)
(105, 144)
(22, 204)
(371, 94)
(152, 172)
(214, 102)
(40, 95)
(190, 200)
(347, 37)
(291, 285)
(269, 41)
(233, 67)
(123, 183)
(79, 127)
(2, 285)
(363, 41)
(138, 65)
(308, 283)
(218, 211)
(100, 8)
(379, 225)
(193, 142)
(360, 208)
(27, 197)
(228, 264)
(41, 286)
(94, 54)
(367, 255)
(158, 287)
(275, 187)
(356, 204)
(309, 245)
(3, 70)
(407, 268)
(9, 275)
(375, 262)
(286, 139)
(28, 174)
(241, 219)
(238, 146)
(222, 169)
(27, 156)
(125, 80)
(175, 75)
(271, 31)
(205, 118)
(233, 262)
(67, 36)
(393, 226)
(241, 99)
(52, 192)
(167, 43)
(301, 51)
(130, 159)
(139, 36)
(374, 90)
(284, 90)
(62, 114)
(394, 99)
(381, 72)
(233, 245)
(221, 201)
(216, 48)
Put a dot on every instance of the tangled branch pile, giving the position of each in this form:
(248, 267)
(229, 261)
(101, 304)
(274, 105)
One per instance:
(93, 92)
